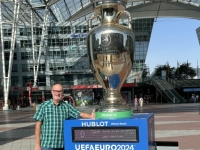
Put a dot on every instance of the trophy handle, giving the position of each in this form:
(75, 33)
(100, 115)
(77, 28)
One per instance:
(90, 20)
(126, 13)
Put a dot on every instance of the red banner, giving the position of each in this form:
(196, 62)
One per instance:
(129, 85)
(92, 86)
(95, 86)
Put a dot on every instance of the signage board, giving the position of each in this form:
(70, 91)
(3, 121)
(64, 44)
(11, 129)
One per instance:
(134, 133)
(105, 134)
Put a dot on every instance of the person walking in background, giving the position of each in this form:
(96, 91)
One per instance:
(136, 102)
(192, 98)
(49, 120)
(141, 101)
(197, 97)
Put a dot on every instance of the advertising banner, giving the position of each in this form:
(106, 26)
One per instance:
(83, 97)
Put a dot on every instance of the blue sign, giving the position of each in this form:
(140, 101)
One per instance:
(77, 35)
(191, 89)
(135, 133)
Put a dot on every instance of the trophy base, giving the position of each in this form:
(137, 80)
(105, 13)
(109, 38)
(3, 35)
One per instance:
(113, 112)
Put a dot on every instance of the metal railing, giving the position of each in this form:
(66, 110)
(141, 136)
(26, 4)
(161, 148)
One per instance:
(168, 89)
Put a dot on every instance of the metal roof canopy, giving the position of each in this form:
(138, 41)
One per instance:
(71, 10)
(153, 9)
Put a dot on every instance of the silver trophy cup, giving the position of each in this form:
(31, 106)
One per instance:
(110, 51)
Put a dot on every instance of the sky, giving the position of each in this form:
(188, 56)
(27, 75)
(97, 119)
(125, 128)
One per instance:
(173, 40)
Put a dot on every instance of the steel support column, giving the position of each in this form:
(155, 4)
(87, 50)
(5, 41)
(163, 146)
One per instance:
(36, 62)
(7, 74)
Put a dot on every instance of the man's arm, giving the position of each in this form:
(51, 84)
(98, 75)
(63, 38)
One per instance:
(87, 115)
(37, 135)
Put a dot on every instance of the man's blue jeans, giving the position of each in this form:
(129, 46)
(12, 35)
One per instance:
(52, 148)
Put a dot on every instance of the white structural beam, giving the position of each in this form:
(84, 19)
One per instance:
(36, 62)
(7, 73)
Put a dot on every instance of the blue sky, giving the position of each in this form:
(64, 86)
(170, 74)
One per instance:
(172, 40)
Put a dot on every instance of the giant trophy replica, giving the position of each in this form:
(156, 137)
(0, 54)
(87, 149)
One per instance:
(110, 50)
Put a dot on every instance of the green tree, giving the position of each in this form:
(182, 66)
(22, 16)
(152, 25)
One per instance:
(160, 68)
(184, 71)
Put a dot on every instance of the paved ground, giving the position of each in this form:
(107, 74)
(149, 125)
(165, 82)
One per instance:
(173, 122)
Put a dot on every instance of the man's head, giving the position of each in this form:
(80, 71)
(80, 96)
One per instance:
(57, 92)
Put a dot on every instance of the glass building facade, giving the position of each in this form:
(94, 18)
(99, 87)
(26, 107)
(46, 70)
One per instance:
(64, 58)
(142, 29)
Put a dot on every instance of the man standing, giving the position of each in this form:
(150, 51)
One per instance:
(49, 120)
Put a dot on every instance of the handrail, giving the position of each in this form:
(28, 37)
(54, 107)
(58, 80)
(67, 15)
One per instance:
(170, 89)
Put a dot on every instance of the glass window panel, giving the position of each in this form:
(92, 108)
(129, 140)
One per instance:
(14, 68)
(14, 80)
(7, 44)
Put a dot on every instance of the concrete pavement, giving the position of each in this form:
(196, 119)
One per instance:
(173, 122)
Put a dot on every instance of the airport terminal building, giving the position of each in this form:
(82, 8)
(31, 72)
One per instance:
(61, 51)
(45, 42)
